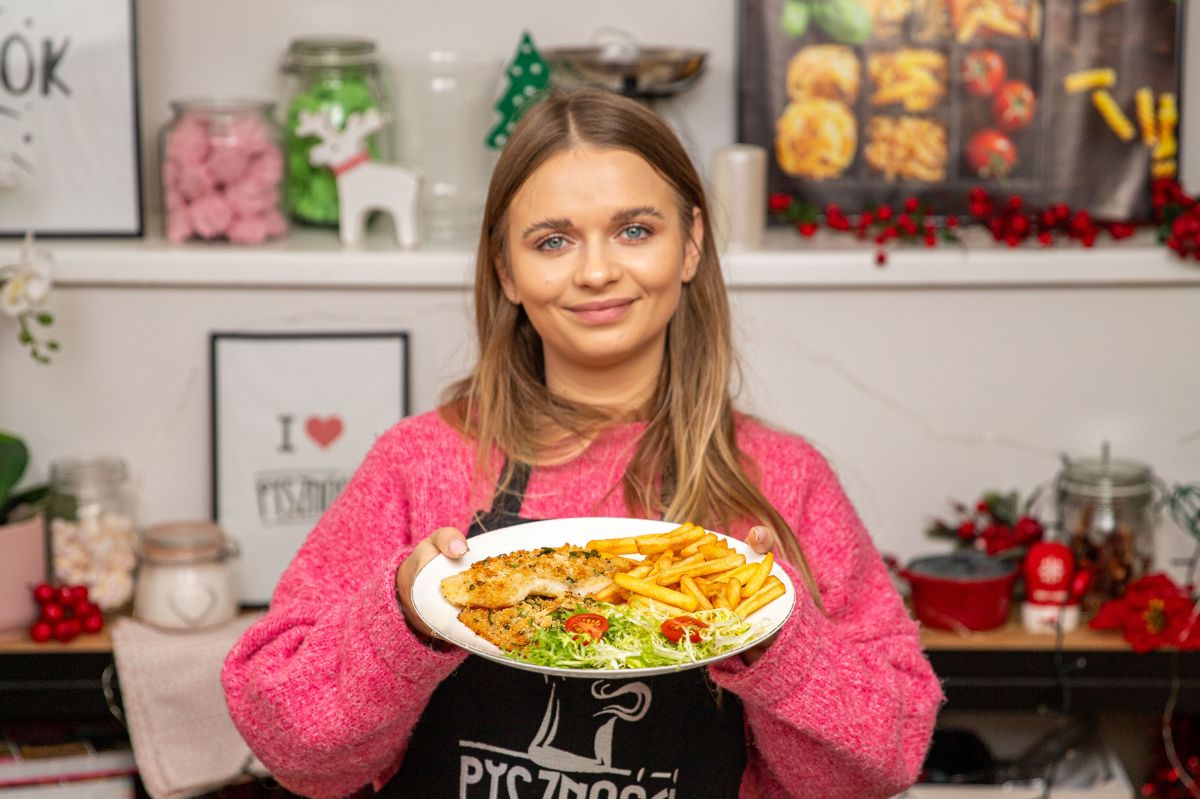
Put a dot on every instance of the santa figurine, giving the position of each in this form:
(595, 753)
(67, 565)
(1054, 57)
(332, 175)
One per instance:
(1053, 588)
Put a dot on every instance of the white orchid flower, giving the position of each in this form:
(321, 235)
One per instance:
(26, 284)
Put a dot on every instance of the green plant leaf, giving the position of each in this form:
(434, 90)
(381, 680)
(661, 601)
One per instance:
(14, 458)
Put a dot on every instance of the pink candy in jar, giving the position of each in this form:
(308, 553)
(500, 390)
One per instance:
(221, 172)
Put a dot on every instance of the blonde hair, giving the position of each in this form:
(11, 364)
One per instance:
(687, 465)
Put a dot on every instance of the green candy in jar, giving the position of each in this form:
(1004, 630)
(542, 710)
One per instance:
(340, 76)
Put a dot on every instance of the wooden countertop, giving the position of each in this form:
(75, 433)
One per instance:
(1010, 637)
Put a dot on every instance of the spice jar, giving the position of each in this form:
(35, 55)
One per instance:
(341, 76)
(185, 579)
(222, 170)
(1108, 510)
(90, 521)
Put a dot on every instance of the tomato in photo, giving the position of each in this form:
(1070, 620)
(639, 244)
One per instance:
(1014, 105)
(675, 627)
(983, 71)
(592, 625)
(991, 154)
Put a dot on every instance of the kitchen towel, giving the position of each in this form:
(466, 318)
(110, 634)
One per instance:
(183, 739)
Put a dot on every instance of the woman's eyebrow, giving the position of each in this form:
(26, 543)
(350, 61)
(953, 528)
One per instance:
(561, 223)
(633, 213)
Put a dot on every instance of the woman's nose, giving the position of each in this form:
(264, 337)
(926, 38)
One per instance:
(597, 266)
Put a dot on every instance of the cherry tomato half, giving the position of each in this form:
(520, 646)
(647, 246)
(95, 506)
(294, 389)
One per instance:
(674, 628)
(590, 624)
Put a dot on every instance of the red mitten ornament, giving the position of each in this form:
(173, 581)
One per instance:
(1049, 596)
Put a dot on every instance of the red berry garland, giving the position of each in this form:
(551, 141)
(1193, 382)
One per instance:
(66, 612)
(1010, 221)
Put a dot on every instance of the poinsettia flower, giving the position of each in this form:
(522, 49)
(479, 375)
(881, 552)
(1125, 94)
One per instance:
(1154, 612)
(1161, 622)
(26, 284)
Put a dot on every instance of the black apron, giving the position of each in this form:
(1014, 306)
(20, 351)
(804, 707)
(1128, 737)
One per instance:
(497, 732)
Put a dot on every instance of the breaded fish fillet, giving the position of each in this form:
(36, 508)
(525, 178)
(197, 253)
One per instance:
(516, 627)
(502, 581)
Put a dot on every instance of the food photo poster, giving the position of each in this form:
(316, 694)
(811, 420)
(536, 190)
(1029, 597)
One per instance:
(1056, 101)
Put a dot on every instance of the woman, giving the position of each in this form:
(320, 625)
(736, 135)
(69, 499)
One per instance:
(602, 389)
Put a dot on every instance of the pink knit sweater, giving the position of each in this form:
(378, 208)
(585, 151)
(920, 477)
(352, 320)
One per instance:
(327, 686)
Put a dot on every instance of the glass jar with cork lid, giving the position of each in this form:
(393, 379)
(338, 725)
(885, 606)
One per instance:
(90, 525)
(337, 75)
(1108, 511)
(185, 577)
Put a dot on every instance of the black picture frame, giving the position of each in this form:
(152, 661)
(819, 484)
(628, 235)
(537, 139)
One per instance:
(49, 65)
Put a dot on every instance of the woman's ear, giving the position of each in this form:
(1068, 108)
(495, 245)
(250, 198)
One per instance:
(693, 246)
(504, 275)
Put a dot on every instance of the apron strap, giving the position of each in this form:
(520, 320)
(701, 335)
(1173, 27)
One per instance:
(506, 505)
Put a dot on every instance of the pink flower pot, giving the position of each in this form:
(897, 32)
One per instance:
(22, 566)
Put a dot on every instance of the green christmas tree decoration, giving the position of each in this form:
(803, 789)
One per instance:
(528, 75)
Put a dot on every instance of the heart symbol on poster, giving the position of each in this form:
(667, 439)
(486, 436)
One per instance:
(323, 431)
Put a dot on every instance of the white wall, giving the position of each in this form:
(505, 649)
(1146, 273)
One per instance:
(916, 395)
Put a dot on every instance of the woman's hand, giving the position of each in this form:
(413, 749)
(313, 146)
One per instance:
(447, 541)
(762, 540)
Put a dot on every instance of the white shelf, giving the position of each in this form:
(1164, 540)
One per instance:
(314, 259)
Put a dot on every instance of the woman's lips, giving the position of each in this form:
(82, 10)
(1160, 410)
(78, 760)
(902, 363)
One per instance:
(601, 311)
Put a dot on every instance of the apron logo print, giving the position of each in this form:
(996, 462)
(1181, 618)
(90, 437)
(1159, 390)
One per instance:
(545, 754)
(323, 431)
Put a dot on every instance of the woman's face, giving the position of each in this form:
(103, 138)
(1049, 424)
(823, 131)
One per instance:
(597, 255)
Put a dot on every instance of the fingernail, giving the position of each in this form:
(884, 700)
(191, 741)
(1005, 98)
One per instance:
(758, 535)
(457, 547)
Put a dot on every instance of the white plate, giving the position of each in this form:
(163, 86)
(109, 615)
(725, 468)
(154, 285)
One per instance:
(442, 617)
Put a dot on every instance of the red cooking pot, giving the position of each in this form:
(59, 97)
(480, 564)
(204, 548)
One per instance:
(961, 590)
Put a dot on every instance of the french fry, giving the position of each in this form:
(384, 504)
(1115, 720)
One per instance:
(656, 591)
(761, 598)
(694, 547)
(609, 593)
(743, 573)
(721, 601)
(762, 570)
(614, 546)
(701, 569)
(639, 600)
(640, 571)
(733, 593)
(654, 544)
(688, 586)
(717, 550)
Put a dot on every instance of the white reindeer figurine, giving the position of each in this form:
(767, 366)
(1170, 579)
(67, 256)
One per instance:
(363, 185)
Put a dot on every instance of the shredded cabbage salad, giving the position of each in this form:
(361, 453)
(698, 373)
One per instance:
(634, 639)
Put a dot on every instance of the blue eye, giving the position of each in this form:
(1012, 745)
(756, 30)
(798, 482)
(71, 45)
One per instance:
(636, 232)
(550, 243)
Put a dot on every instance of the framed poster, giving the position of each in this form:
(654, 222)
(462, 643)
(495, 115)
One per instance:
(69, 151)
(865, 102)
(293, 415)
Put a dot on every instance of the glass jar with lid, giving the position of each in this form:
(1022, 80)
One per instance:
(185, 577)
(221, 166)
(1108, 511)
(90, 524)
(339, 76)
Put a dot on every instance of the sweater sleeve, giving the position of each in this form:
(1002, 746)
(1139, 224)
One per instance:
(328, 685)
(843, 698)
